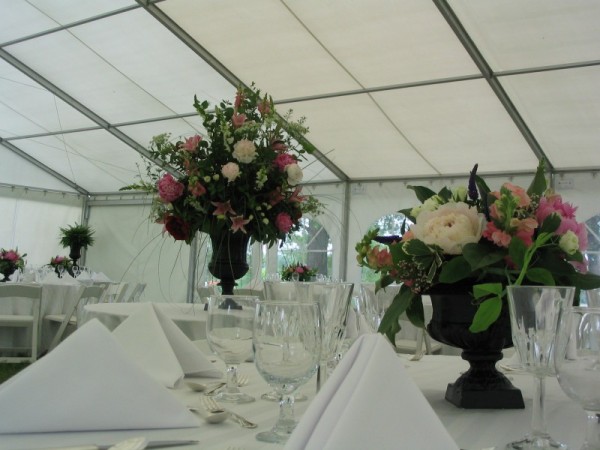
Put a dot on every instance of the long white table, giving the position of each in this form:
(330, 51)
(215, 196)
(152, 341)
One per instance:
(471, 429)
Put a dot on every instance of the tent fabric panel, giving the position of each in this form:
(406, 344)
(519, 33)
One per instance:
(17, 171)
(131, 248)
(285, 60)
(458, 124)
(376, 150)
(562, 109)
(388, 43)
(68, 11)
(513, 34)
(95, 160)
(28, 108)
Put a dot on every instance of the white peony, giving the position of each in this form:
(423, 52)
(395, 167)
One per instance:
(450, 226)
(294, 173)
(244, 151)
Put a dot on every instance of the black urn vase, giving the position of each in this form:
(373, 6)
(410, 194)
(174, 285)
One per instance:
(482, 386)
(228, 262)
(6, 273)
(75, 254)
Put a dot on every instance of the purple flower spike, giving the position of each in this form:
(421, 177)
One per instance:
(472, 189)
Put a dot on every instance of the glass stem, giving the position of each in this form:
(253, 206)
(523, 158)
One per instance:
(286, 411)
(538, 418)
(232, 379)
(592, 430)
(321, 374)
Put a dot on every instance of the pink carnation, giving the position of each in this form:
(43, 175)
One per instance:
(169, 189)
(283, 160)
(519, 193)
(379, 257)
(498, 237)
(284, 222)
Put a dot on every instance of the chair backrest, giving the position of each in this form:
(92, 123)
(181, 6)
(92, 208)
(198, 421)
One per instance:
(121, 292)
(22, 300)
(90, 296)
(256, 292)
(135, 293)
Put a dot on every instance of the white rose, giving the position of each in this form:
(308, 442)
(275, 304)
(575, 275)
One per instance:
(294, 173)
(569, 243)
(451, 226)
(230, 171)
(244, 151)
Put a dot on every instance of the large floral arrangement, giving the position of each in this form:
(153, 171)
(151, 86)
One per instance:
(305, 273)
(470, 237)
(11, 260)
(242, 176)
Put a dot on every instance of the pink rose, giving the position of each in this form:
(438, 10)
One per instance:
(191, 143)
(284, 159)
(284, 222)
(299, 269)
(279, 146)
(238, 119)
(169, 189)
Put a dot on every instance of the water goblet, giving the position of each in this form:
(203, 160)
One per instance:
(534, 315)
(61, 270)
(287, 346)
(577, 363)
(229, 334)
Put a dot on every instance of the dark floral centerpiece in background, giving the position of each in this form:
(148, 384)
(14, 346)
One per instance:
(238, 182)
(10, 262)
(57, 262)
(304, 272)
(471, 242)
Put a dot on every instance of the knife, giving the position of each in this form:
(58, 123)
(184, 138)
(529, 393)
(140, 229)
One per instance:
(149, 444)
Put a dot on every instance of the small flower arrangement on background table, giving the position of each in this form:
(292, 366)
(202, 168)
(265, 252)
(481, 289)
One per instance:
(485, 240)
(304, 272)
(61, 264)
(10, 261)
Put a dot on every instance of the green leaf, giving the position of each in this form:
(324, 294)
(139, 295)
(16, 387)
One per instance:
(480, 256)
(516, 251)
(455, 270)
(538, 184)
(445, 194)
(550, 224)
(415, 312)
(389, 324)
(417, 247)
(423, 193)
(541, 276)
(486, 289)
(487, 313)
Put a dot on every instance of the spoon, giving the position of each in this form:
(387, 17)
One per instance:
(201, 387)
(216, 416)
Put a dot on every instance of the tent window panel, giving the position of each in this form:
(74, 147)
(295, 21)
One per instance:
(311, 245)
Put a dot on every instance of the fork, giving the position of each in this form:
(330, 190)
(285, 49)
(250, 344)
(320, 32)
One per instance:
(212, 406)
(243, 380)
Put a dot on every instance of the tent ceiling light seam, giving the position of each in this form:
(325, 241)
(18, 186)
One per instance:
(484, 67)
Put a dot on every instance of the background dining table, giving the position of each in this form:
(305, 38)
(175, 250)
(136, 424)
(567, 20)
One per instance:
(471, 429)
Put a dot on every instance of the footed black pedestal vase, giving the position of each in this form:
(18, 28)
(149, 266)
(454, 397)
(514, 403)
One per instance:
(482, 386)
(228, 262)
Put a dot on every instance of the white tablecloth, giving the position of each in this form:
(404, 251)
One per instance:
(190, 317)
(56, 299)
(471, 429)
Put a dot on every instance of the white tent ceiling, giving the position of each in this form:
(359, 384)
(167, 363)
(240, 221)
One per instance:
(392, 89)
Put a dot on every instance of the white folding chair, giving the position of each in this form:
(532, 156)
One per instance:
(257, 292)
(135, 293)
(70, 317)
(21, 309)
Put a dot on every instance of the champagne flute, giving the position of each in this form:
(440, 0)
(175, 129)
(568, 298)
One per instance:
(577, 363)
(287, 346)
(229, 334)
(534, 316)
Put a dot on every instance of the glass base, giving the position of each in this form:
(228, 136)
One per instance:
(233, 397)
(273, 396)
(536, 443)
(279, 433)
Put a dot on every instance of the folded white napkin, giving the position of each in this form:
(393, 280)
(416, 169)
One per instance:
(101, 277)
(370, 402)
(159, 346)
(88, 383)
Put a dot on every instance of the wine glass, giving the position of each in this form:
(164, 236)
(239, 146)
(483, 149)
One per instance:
(229, 334)
(577, 362)
(61, 270)
(287, 346)
(534, 316)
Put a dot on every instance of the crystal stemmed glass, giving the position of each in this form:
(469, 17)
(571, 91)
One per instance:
(287, 346)
(534, 315)
(229, 334)
(577, 362)
(61, 270)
